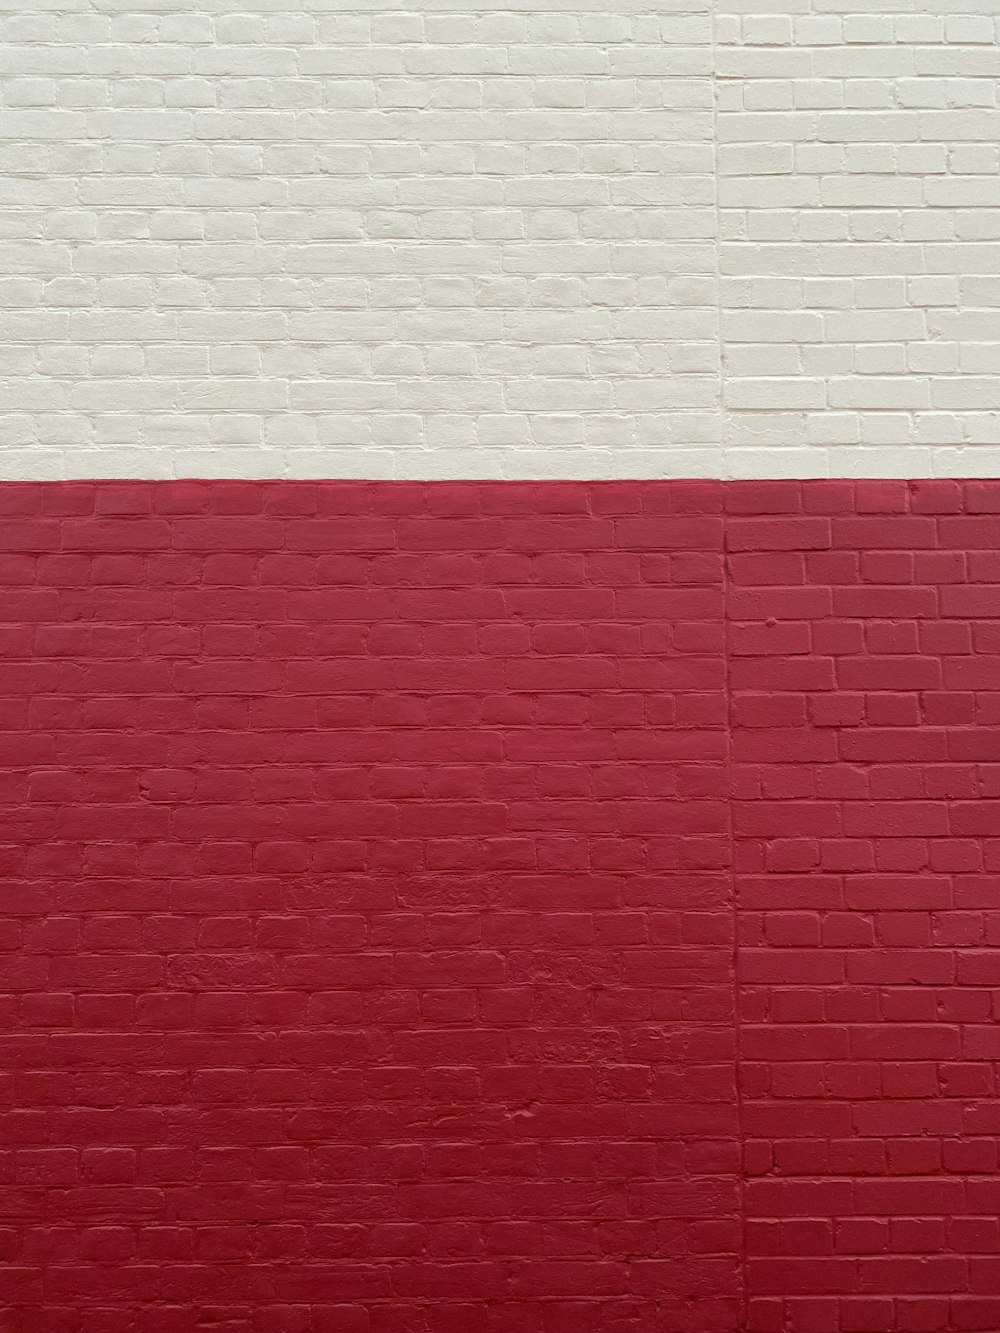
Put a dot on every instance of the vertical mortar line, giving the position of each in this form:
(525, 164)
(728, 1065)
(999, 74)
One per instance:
(724, 473)
(720, 367)
(735, 917)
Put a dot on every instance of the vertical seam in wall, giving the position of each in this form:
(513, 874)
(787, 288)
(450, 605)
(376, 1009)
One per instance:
(723, 470)
(735, 918)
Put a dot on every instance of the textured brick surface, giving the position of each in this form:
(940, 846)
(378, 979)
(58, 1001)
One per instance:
(865, 645)
(510, 238)
(368, 911)
(354, 239)
(369, 856)
(858, 193)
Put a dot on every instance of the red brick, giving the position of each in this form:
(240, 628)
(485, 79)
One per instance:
(369, 852)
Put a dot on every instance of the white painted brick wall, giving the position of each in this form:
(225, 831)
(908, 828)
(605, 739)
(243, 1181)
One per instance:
(859, 214)
(579, 238)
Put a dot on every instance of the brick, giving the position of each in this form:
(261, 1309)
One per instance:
(422, 825)
(891, 967)
(373, 803)
(484, 244)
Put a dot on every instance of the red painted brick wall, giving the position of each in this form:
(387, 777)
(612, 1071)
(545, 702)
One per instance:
(368, 910)
(865, 681)
(369, 859)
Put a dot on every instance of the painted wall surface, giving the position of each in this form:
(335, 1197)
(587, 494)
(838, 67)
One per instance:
(489, 907)
(515, 850)
(518, 238)
(863, 675)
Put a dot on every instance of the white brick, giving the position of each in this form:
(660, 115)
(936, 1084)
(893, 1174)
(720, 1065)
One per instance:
(345, 239)
(914, 187)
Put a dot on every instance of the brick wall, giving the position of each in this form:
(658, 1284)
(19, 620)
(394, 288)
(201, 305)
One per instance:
(514, 238)
(369, 910)
(858, 202)
(370, 856)
(349, 240)
(864, 629)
